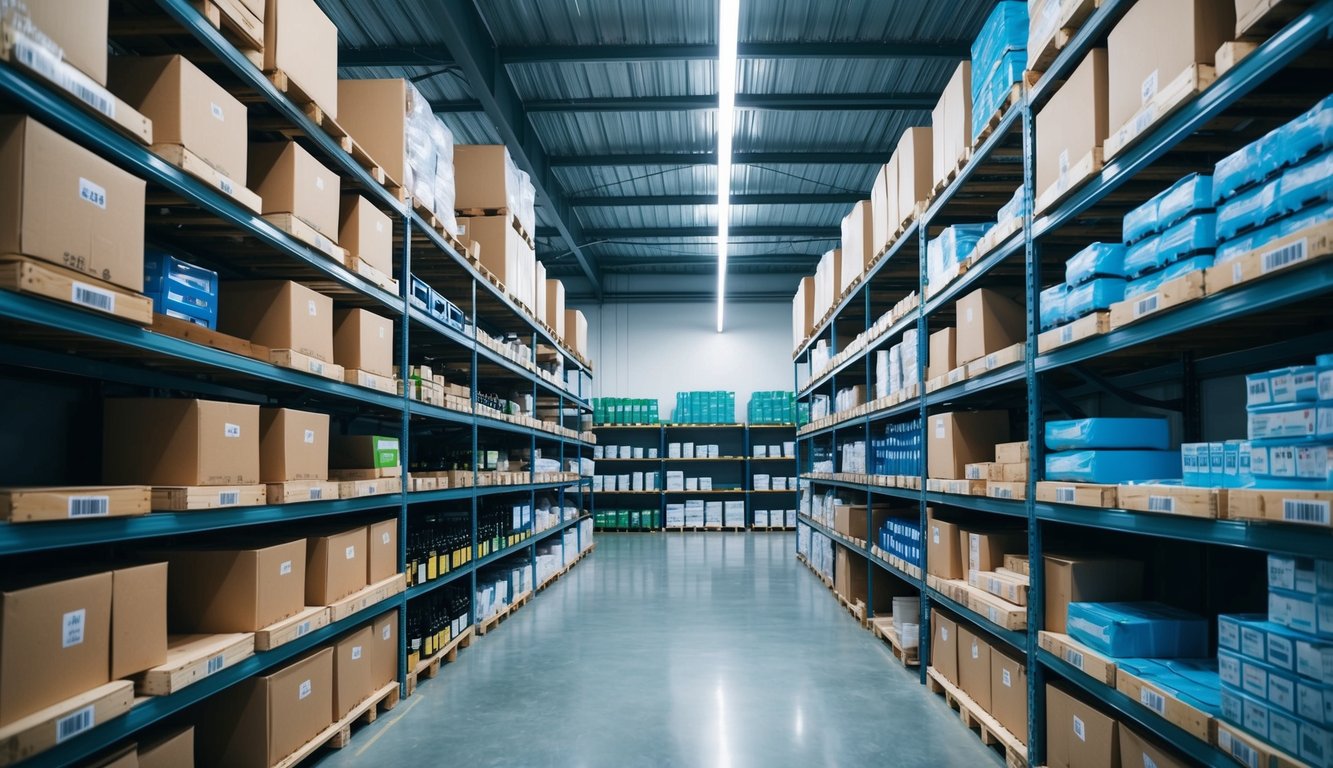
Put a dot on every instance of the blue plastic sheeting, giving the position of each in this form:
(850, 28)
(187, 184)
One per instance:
(1139, 630)
(1105, 432)
(1194, 681)
(1141, 257)
(1097, 260)
(1242, 168)
(1248, 210)
(1096, 295)
(1051, 304)
(1250, 241)
(1307, 184)
(1192, 194)
(1196, 234)
(1005, 30)
(1012, 209)
(1112, 466)
(1140, 222)
(953, 246)
(989, 95)
(1154, 280)
(1310, 133)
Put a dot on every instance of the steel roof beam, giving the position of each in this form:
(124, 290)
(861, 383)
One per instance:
(789, 102)
(648, 201)
(637, 233)
(710, 158)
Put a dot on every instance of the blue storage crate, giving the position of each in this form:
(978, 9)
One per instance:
(161, 268)
(1090, 297)
(1069, 434)
(1109, 466)
(1096, 260)
(1154, 280)
(1194, 235)
(1308, 184)
(1141, 257)
(1051, 306)
(1143, 630)
(1248, 210)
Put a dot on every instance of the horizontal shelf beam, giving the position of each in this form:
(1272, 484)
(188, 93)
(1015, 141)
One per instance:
(709, 157)
(795, 102)
(775, 198)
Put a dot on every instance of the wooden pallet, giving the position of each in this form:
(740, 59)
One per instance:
(944, 181)
(237, 24)
(196, 497)
(298, 229)
(297, 491)
(22, 274)
(191, 658)
(1078, 173)
(364, 598)
(1194, 80)
(339, 734)
(197, 334)
(291, 628)
(1268, 17)
(857, 610)
(199, 168)
(371, 274)
(290, 358)
(428, 668)
(974, 717)
(882, 627)
(993, 122)
(491, 623)
(51, 503)
(375, 381)
(47, 727)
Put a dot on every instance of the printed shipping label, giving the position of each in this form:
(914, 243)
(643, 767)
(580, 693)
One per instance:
(217, 112)
(1079, 729)
(231, 430)
(356, 653)
(92, 193)
(285, 568)
(310, 436)
(215, 664)
(1282, 257)
(1149, 88)
(72, 627)
(229, 498)
(350, 552)
(305, 689)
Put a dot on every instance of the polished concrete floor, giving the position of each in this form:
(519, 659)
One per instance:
(696, 649)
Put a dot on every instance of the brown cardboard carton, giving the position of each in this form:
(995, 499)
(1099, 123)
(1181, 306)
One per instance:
(234, 590)
(501, 246)
(539, 291)
(290, 180)
(353, 661)
(803, 310)
(915, 171)
(335, 566)
(944, 646)
(138, 618)
(883, 202)
(124, 757)
(302, 42)
(951, 122)
(374, 112)
(382, 554)
(987, 322)
(849, 574)
(1073, 122)
(962, 438)
(180, 442)
(985, 550)
(1083, 579)
(942, 360)
(261, 720)
(384, 668)
(555, 306)
(54, 642)
(1154, 42)
(850, 520)
(172, 750)
(480, 178)
(1078, 736)
(1136, 750)
(79, 27)
(576, 331)
(942, 552)
(186, 108)
(857, 244)
(278, 314)
(1009, 693)
(366, 232)
(293, 445)
(974, 671)
(363, 340)
(63, 204)
(364, 452)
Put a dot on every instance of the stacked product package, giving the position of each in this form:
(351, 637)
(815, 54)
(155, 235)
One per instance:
(773, 407)
(901, 538)
(946, 253)
(898, 452)
(1290, 415)
(1110, 450)
(1170, 236)
(429, 166)
(180, 289)
(711, 407)
(853, 457)
(897, 367)
(817, 549)
(999, 56)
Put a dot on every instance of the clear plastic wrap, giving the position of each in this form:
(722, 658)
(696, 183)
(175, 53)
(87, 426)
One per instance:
(443, 178)
(1092, 296)
(1190, 195)
(1306, 184)
(1141, 257)
(1140, 222)
(1051, 306)
(1196, 234)
(1104, 432)
(1154, 280)
(422, 156)
(1309, 133)
(1012, 209)
(1241, 169)
(1097, 260)
(1247, 211)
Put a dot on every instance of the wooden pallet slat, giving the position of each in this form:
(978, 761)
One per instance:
(191, 658)
(23, 274)
(338, 734)
(975, 718)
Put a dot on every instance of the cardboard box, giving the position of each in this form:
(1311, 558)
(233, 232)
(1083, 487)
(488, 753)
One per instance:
(961, 438)
(65, 205)
(942, 552)
(302, 42)
(293, 445)
(187, 108)
(951, 122)
(883, 204)
(576, 331)
(336, 566)
(974, 672)
(481, 179)
(263, 719)
(278, 314)
(850, 520)
(363, 340)
(174, 749)
(539, 290)
(942, 359)
(364, 452)
(857, 244)
(290, 180)
(124, 757)
(802, 311)
(382, 550)
(1078, 736)
(138, 618)
(374, 112)
(944, 646)
(916, 177)
(180, 442)
(849, 575)
(1138, 750)
(555, 306)
(1073, 123)
(234, 590)
(55, 641)
(986, 322)
(503, 252)
(1009, 693)
(985, 550)
(1154, 42)
(353, 670)
(1012, 453)
(79, 27)
(1083, 579)
(384, 666)
(366, 232)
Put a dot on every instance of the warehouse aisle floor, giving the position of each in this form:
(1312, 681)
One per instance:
(697, 649)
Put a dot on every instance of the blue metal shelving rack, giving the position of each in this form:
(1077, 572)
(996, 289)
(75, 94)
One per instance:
(1311, 27)
(213, 372)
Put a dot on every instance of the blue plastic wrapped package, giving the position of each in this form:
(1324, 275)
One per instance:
(1285, 420)
(952, 247)
(1194, 465)
(990, 94)
(1194, 681)
(1141, 257)
(1244, 243)
(1247, 210)
(1307, 184)
(1278, 463)
(1051, 310)
(1112, 466)
(1093, 296)
(1104, 432)
(1097, 260)
(1190, 195)
(1154, 280)
(1196, 234)
(1012, 209)
(1139, 630)
(1308, 134)
(1243, 168)
(1140, 222)
(1005, 31)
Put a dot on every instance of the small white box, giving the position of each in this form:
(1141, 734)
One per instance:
(761, 518)
(761, 482)
(777, 484)
(733, 514)
(626, 452)
(650, 481)
(774, 450)
(623, 483)
(675, 480)
(705, 483)
(694, 513)
(713, 452)
(637, 482)
(598, 484)
(652, 453)
(687, 450)
(675, 515)
(761, 451)
(673, 450)
(713, 513)
(791, 518)
(789, 448)
(597, 452)
(691, 483)
(638, 453)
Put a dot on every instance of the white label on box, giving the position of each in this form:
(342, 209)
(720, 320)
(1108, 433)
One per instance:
(944, 634)
(1144, 119)
(379, 227)
(1064, 494)
(381, 331)
(217, 112)
(304, 690)
(229, 498)
(969, 314)
(1079, 730)
(285, 568)
(356, 653)
(935, 534)
(976, 652)
(92, 193)
(216, 664)
(387, 632)
(1146, 305)
(226, 186)
(1074, 658)
(939, 429)
(1238, 749)
(231, 430)
(1062, 177)
(1281, 257)
(94, 298)
(72, 627)
(1165, 504)
(1149, 88)
(319, 183)
(303, 628)
(1153, 700)
(384, 538)
(312, 308)
(1004, 678)
(350, 552)
(89, 506)
(1148, 762)
(310, 436)
(421, 573)
(1305, 511)
(74, 723)
(316, 367)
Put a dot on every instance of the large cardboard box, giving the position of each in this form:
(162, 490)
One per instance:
(942, 360)
(961, 438)
(187, 108)
(539, 308)
(944, 646)
(374, 112)
(505, 253)
(366, 232)
(1073, 122)
(858, 246)
(1072, 579)
(278, 314)
(951, 122)
(234, 590)
(481, 179)
(1009, 693)
(261, 720)
(336, 566)
(974, 671)
(179, 442)
(79, 27)
(293, 445)
(883, 203)
(353, 670)
(916, 177)
(382, 550)
(1136, 750)
(1078, 736)
(384, 668)
(1155, 42)
(555, 306)
(302, 42)
(942, 552)
(63, 204)
(802, 311)
(850, 520)
(362, 340)
(290, 180)
(138, 618)
(174, 749)
(55, 641)
(984, 550)
(987, 322)
(849, 574)
(576, 331)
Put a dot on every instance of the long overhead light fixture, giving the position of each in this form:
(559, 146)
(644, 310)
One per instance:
(728, 30)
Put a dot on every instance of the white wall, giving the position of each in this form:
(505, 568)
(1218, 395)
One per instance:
(657, 350)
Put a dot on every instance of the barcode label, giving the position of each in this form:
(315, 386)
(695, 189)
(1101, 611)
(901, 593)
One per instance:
(1239, 749)
(1066, 334)
(93, 298)
(1152, 700)
(1002, 493)
(316, 367)
(316, 493)
(1145, 305)
(1074, 658)
(92, 193)
(304, 690)
(1162, 504)
(226, 186)
(1298, 511)
(1281, 257)
(89, 506)
(1148, 762)
(1079, 729)
(990, 361)
(1148, 89)
(1064, 495)
(229, 498)
(74, 723)
(370, 490)
(216, 664)
(1005, 678)
(1145, 119)
(47, 64)
(303, 629)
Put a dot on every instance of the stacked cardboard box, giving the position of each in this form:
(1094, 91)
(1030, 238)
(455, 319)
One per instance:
(957, 439)
(803, 311)
(857, 245)
(826, 283)
(951, 124)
